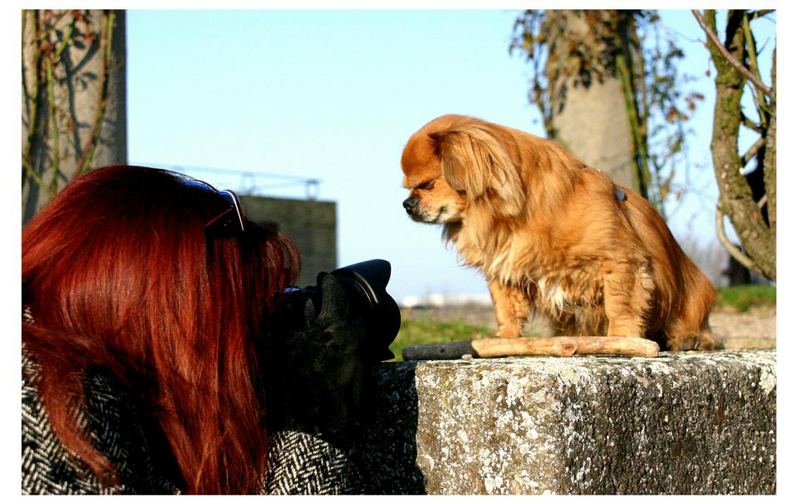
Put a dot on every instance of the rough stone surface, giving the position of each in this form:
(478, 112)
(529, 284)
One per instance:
(685, 423)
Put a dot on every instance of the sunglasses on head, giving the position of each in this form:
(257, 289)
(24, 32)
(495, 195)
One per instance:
(231, 221)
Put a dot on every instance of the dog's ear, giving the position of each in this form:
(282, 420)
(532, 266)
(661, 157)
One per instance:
(476, 163)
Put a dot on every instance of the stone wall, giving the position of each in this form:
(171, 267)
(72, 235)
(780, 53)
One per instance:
(311, 224)
(685, 423)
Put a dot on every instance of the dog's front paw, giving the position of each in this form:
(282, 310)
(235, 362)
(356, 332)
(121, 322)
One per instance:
(508, 332)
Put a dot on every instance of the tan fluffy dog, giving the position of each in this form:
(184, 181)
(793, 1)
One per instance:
(554, 235)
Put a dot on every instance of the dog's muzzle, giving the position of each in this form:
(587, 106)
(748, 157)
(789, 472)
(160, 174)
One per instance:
(410, 204)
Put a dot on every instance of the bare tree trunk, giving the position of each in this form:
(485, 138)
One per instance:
(736, 196)
(593, 121)
(615, 105)
(770, 169)
(73, 98)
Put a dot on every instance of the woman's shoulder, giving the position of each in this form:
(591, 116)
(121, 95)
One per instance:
(112, 421)
(47, 467)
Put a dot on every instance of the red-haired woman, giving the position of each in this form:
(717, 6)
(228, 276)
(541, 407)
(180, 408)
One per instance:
(148, 299)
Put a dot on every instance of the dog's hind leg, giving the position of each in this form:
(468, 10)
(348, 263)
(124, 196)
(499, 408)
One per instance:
(627, 298)
(689, 329)
(683, 336)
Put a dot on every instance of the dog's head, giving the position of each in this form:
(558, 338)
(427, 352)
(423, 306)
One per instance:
(454, 162)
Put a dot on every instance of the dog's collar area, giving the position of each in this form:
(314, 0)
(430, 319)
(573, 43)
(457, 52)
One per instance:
(620, 194)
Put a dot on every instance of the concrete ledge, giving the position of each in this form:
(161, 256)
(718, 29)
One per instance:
(686, 423)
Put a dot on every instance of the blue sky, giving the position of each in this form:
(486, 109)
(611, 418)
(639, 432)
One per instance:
(334, 95)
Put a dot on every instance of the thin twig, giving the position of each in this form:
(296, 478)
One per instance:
(64, 41)
(750, 124)
(641, 170)
(760, 13)
(26, 166)
(712, 37)
(25, 91)
(752, 151)
(54, 135)
(638, 77)
(752, 54)
(33, 99)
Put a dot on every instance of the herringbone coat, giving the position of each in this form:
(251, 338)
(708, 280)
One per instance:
(298, 463)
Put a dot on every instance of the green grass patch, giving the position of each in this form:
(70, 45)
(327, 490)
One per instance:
(421, 331)
(744, 297)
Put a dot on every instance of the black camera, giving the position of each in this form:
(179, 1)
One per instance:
(354, 294)
(322, 344)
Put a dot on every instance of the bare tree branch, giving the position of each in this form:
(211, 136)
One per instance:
(730, 247)
(752, 151)
(750, 124)
(752, 53)
(760, 13)
(727, 55)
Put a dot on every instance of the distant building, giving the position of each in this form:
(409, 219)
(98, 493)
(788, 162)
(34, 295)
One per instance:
(311, 224)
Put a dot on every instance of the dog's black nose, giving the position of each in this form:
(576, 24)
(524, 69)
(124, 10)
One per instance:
(410, 204)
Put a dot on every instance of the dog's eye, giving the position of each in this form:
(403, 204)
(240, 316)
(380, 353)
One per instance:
(426, 185)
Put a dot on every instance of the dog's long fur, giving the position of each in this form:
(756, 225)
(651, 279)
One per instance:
(550, 234)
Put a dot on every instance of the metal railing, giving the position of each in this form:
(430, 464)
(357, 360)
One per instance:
(250, 182)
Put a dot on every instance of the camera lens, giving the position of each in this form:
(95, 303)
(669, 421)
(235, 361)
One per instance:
(367, 282)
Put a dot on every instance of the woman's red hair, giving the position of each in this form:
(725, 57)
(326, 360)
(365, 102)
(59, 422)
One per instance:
(118, 272)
